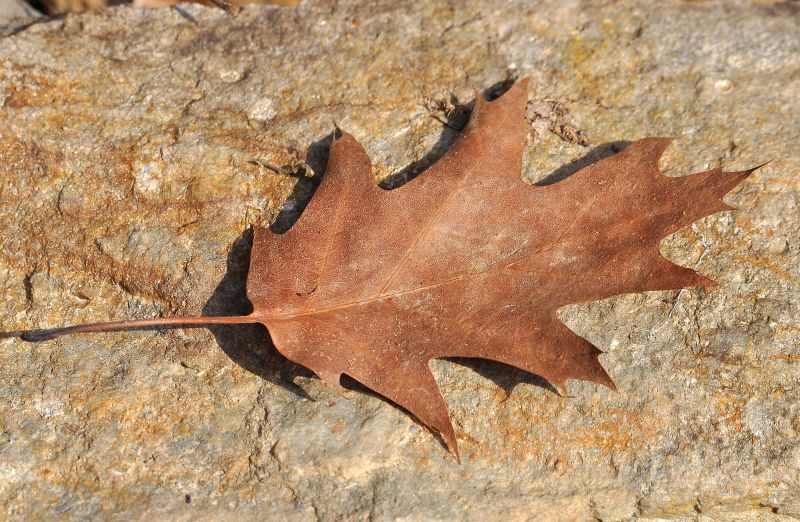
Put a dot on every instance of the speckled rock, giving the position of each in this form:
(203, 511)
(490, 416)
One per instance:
(13, 11)
(127, 189)
(16, 16)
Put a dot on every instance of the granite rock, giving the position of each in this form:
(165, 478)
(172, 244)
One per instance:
(127, 185)
(14, 13)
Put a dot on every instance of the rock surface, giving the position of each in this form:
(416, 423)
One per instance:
(15, 12)
(127, 190)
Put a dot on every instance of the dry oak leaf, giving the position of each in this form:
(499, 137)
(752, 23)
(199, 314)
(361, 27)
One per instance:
(464, 260)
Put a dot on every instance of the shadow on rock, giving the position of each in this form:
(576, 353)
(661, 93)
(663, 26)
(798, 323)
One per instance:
(503, 375)
(451, 128)
(249, 346)
(606, 150)
(317, 160)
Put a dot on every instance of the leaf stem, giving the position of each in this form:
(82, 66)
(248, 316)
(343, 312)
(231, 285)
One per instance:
(113, 326)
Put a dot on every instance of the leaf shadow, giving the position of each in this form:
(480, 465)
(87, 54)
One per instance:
(452, 126)
(352, 384)
(505, 376)
(317, 160)
(602, 151)
(250, 346)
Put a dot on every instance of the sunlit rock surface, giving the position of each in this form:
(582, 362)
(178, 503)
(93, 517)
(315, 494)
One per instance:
(127, 190)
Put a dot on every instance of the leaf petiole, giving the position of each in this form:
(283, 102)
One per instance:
(113, 326)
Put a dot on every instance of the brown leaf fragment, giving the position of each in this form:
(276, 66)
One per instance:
(465, 260)
(553, 116)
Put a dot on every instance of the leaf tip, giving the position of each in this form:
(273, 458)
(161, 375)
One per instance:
(523, 82)
(608, 382)
(601, 376)
(727, 181)
(332, 379)
(444, 428)
(706, 283)
(518, 89)
(560, 387)
(452, 447)
(742, 175)
(653, 146)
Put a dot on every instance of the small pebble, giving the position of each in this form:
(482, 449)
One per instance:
(724, 86)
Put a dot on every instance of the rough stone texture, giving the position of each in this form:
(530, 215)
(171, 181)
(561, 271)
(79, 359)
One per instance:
(126, 188)
(15, 11)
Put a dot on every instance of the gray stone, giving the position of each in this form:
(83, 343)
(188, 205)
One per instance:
(14, 10)
(16, 16)
(125, 142)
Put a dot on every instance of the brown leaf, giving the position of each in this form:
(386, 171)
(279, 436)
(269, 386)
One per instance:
(464, 261)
